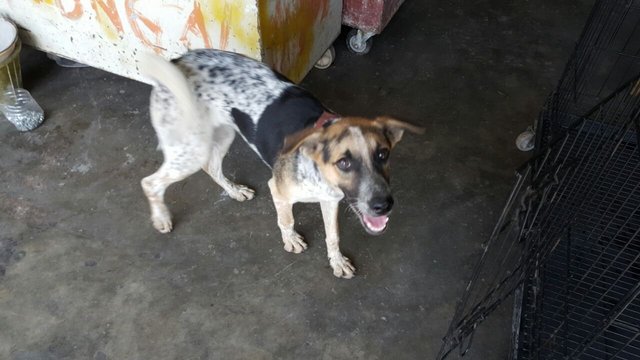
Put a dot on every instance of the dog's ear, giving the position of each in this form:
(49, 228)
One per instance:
(307, 140)
(394, 129)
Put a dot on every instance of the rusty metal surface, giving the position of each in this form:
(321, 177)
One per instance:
(369, 15)
(295, 34)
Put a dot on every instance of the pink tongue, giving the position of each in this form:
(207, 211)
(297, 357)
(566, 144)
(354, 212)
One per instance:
(377, 222)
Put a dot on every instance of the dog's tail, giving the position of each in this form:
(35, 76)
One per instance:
(164, 72)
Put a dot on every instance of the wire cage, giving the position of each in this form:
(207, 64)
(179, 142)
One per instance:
(566, 247)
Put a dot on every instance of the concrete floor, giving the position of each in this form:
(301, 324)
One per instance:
(83, 275)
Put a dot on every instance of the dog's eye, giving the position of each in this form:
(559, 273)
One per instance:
(344, 164)
(382, 154)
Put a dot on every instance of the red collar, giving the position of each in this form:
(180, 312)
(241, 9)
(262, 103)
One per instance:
(325, 119)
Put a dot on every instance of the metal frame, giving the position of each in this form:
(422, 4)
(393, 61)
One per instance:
(568, 240)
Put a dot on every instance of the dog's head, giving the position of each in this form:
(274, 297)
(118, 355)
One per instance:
(353, 155)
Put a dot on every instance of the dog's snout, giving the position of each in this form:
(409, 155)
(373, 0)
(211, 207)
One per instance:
(381, 205)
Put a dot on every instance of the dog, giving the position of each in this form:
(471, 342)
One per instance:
(202, 99)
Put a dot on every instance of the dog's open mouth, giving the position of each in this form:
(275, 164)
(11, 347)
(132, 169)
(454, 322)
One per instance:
(374, 225)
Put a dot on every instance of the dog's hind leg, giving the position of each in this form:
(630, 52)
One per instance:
(222, 138)
(177, 166)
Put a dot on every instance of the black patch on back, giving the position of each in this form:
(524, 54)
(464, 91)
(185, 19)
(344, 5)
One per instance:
(293, 111)
(245, 125)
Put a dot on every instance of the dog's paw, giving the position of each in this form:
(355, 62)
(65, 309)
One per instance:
(162, 221)
(162, 224)
(294, 242)
(342, 267)
(241, 193)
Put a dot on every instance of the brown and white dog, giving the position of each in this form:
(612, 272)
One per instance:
(201, 100)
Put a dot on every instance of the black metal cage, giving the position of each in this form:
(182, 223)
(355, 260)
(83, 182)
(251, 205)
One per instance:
(567, 244)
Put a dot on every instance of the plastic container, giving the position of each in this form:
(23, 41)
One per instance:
(19, 107)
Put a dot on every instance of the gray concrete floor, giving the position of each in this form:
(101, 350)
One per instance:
(83, 275)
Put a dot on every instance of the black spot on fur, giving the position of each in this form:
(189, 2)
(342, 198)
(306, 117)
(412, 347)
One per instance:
(325, 152)
(296, 162)
(341, 136)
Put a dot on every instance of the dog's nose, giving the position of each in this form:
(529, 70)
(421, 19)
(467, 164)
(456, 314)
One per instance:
(381, 205)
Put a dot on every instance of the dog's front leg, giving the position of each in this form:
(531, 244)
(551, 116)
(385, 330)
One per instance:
(293, 242)
(341, 265)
